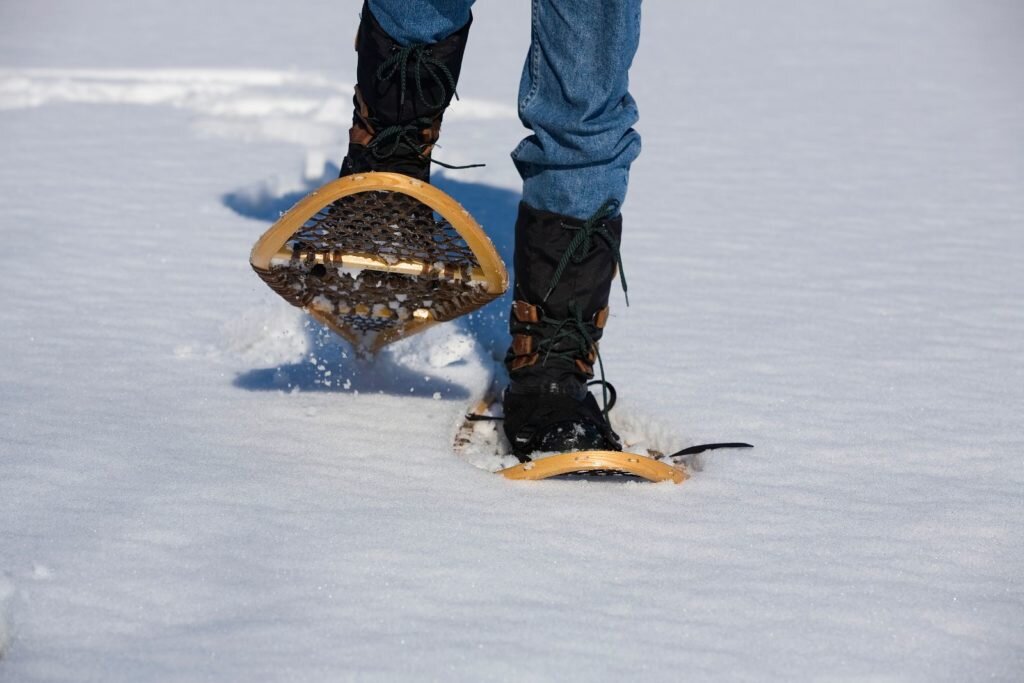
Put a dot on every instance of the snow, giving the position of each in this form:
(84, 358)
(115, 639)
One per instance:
(825, 252)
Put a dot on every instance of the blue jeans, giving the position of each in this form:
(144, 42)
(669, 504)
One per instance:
(574, 93)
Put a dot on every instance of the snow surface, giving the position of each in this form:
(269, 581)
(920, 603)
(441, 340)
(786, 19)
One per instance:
(825, 251)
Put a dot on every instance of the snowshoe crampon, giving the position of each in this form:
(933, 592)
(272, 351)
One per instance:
(379, 256)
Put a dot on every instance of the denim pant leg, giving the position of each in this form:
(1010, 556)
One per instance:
(574, 96)
(412, 22)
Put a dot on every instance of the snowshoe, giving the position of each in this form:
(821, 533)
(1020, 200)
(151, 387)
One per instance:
(379, 256)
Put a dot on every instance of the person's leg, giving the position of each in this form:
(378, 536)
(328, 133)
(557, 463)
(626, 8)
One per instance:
(411, 22)
(410, 55)
(575, 167)
(574, 96)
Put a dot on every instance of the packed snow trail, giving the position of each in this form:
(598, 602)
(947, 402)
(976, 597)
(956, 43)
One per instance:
(824, 241)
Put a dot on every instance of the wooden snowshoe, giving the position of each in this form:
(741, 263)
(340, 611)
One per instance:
(379, 256)
(478, 438)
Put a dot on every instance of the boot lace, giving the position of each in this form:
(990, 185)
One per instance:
(388, 142)
(419, 60)
(568, 339)
(583, 242)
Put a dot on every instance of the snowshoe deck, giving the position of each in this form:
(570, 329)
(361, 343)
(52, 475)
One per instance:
(379, 256)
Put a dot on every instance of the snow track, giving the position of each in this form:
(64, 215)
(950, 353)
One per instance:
(293, 107)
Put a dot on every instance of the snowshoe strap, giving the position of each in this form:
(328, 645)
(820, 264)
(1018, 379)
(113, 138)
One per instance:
(705, 447)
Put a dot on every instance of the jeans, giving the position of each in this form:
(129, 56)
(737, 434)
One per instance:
(573, 96)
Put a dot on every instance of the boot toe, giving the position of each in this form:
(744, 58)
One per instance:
(574, 435)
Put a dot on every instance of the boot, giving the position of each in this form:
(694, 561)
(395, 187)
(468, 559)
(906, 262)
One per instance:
(563, 273)
(400, 98)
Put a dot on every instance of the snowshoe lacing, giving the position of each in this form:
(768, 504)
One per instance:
(388, 142)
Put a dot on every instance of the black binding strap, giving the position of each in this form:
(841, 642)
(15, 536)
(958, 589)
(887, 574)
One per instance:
(691, 450)
(475, 417)
(707, 447)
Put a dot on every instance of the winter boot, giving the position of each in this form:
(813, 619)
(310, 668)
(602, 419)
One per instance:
(563, 273)
(400, 97)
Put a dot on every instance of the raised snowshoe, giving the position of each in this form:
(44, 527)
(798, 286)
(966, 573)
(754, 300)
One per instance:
(379, 256)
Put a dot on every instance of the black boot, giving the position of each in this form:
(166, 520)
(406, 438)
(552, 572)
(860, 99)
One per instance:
(400, 98)
(563, 273)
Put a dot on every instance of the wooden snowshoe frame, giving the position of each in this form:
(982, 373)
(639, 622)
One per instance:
(589, 464)
(597, 463)
(379, 256)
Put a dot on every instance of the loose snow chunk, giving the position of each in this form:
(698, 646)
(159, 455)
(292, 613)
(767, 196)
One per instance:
(321, 303)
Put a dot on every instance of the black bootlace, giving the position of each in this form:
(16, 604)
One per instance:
(421, 57)
(568, 339)
(583, 242)
(387, 142)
